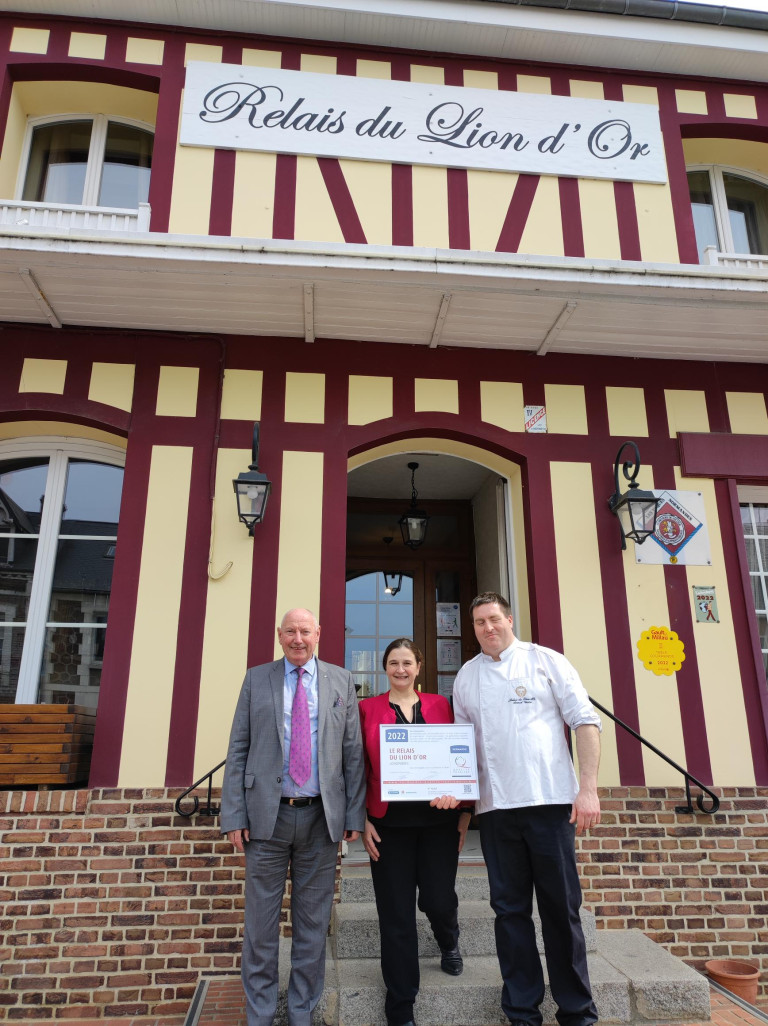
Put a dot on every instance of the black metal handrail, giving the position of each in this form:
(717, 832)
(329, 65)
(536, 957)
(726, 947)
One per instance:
(207, 809)
(689, 778)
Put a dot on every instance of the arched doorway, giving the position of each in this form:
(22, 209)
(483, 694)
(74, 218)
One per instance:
(474, 502)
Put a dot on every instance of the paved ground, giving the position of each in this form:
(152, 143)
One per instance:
(224, 1007)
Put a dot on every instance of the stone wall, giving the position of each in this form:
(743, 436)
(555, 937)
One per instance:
(113, 905)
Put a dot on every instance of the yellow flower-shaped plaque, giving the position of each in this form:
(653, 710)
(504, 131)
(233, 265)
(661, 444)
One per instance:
(660, 651)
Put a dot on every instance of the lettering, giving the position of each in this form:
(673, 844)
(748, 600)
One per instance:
(610, 139)
(378, 128)
(447, 122)
(224, 102)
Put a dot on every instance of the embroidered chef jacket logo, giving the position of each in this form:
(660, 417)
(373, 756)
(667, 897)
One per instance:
(521, 691)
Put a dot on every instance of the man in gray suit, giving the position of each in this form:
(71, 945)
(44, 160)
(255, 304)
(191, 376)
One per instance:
(287, 803)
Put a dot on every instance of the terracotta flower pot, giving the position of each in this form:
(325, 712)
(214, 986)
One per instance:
(740, 978)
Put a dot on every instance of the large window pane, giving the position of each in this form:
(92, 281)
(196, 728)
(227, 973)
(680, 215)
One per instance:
(17, 566)
(22, 489)
(396, 619)
(11, 644)
(748, 213)
(72, 660)
(57, 162)
(360, 654)
(127, 166)
(82, 579)
(753, 519)
(92, 498)
(703, 209)
(361, 618)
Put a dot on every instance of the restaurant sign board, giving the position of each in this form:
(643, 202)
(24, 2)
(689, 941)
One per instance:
(229, 106)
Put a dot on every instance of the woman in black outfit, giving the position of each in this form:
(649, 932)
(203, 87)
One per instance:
(412, 845)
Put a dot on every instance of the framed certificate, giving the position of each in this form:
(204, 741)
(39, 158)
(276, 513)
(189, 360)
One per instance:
(421, 761)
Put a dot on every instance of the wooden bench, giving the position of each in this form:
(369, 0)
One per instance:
(45, 744)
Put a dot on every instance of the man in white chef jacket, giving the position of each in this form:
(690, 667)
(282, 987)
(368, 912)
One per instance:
(519, 696)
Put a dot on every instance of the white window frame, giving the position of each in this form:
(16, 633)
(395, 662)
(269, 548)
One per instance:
(749, 495)
(95, 163)
(58, 451)
(720, 200)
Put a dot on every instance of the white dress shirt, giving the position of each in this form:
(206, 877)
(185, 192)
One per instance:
(518, 706)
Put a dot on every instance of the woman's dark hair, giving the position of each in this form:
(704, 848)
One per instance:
(402, 643)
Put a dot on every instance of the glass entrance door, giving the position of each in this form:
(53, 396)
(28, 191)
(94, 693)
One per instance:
(378, 610)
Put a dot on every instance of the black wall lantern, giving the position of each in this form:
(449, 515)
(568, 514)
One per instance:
(413, 523)
(252, 489)
(393, 582)
(635, 508)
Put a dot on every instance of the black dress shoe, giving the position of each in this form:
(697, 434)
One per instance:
(451, 961)
(409, 1023)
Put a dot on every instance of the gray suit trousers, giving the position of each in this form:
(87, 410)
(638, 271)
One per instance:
(301, 841)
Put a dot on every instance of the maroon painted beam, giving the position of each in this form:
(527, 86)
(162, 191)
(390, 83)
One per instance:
(741, 457)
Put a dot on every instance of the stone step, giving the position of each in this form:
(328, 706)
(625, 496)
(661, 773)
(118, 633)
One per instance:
(355, 930)
(633, 981)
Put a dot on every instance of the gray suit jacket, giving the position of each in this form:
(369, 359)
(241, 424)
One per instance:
(253, 775)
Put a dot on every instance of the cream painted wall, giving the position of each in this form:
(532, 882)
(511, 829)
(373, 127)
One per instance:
(501, 404)
(626, 411)
(370, 398)
(301, 523)
(316, 218)
(144, 51)
(686, 410)
(43, 376)
(253, 195)
(241, 395)
(489, 195)
(747, 413)
(580, 586)
(430, 184)
(62, 429)
(439, 395)
(658, 703)
(227, 618)
(691, 101)
(543, 231)
(370, 186)
(193, 167)
(490, 539)
(724, 711)
(566, 409)
(599, 220)
(29, 40)
(177, 392)
(304, 398)
(739, 106)
(752, 156)
(112, 384)
(153, 654)
(88, 45)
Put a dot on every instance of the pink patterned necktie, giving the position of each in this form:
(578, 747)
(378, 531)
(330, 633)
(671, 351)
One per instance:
(300, 759)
